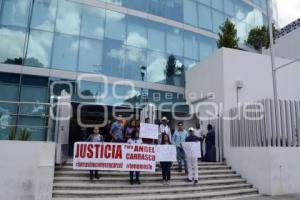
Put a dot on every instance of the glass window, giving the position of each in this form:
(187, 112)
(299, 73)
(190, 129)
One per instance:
(189, 63)
(156, 37)
(34, 89)
(36, 126)
(9, 87)
(89, 90)
(39, 49)
(190, 12)
(43, 14)
(117, 2)
(15, 12)
(175, 42)
(241, 10)
(90, 56)
(206, 2)
(65, 52)
(137, 4)
(156, 66)
(68, 17)
(137, 33)
(135, 58)
(113, 57)
(191, 46)
(206, 47)
(11, 48)
(115, 26)
(218, 20)
(173, 10)
(156, 7)
(92, 24)
(229, 7)
(217, 4)
(204, 14)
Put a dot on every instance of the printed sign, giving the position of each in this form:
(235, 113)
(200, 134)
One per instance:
(114, 156)
(166, 153)
(148, 131)
(192, 149)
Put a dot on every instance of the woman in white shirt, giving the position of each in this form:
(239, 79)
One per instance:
(135, 139)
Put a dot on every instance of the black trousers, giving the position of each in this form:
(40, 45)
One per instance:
(137, 176)
(93, 172)
(166, 170)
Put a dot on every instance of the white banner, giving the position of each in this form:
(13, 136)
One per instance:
(148, 131)
(166, 153)
(192, 149)
(114, 156)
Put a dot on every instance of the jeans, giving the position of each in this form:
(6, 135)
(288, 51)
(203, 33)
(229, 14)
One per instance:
(180, 158)
(137, 176)
(166, 170)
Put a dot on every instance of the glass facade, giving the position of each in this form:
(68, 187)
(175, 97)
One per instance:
(97, 38)
(66, 35)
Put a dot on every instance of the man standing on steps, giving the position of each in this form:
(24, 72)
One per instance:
(192, 161)
(178, 138)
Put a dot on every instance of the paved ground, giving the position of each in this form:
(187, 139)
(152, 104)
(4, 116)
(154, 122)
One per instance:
(288, 197)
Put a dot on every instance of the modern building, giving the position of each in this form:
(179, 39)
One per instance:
(45, 45)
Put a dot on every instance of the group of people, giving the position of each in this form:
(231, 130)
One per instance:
(130, 134)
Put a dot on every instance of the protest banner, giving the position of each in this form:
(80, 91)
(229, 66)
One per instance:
(166, 153)
(192, 149)
(114, 156)
(149, 131)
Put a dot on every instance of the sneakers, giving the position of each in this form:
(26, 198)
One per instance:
(138, 182)
(97, 176)
(189, 181)
(168, 182)
(195, 182)
(164, 182)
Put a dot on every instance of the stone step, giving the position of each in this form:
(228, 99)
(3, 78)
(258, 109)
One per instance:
(200, 167)
(69, 163)
(157, 173)
(143, 179)
(116, 186)
(134, 191)
(197, 195)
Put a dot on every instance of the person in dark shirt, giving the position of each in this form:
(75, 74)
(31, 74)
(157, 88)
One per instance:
(210, 144)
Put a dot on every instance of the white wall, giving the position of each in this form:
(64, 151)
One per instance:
(288, 45)
(218, 74)
(26, 170)
(273, 171)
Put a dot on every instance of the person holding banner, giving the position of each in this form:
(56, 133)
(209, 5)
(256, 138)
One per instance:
(178, 138)
(95, 137)
(192, 161)
(166, 165)
(135, 139)
(164, 128)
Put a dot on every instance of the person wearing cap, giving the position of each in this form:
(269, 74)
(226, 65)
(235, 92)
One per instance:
(192, 162)
(117, 129)
(178, 138)
(164, 128)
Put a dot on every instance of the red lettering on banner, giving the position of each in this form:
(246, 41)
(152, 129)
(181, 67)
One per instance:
(90, 153)
(97, 150)
(107, 153)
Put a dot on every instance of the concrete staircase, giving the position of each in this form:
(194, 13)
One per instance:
(217, 181)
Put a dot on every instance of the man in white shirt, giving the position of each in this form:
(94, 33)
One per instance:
(164, 128)
(200, 134)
